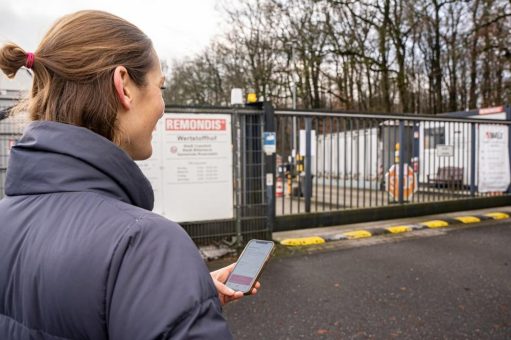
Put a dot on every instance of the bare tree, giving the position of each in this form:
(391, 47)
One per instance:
(424, 56)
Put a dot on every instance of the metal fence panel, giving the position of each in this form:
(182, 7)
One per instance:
(362, 161)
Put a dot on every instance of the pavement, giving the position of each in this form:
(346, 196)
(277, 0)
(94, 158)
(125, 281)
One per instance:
(311, 240)
(318, 236)
(435, 283)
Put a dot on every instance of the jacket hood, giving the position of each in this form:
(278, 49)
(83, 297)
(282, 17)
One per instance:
(53, 157)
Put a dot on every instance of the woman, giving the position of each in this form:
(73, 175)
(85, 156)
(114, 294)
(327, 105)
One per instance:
(81, 254)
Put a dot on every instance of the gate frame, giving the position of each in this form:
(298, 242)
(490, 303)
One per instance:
(403, 210)
(251, 220)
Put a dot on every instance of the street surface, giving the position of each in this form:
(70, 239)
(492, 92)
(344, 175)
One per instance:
(448, 284)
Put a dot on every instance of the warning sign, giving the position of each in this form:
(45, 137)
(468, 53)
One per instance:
(392, 182)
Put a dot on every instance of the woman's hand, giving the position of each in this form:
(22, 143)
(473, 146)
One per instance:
(226, 294)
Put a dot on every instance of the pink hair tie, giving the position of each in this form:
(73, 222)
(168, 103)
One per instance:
(30, 60)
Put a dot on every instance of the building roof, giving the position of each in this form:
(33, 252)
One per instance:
(21, 82)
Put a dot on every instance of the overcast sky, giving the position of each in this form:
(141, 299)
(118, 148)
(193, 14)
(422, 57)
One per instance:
(178, 28)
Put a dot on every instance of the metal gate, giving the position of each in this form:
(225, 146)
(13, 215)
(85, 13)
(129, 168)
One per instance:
(252, 208)
(342, 167)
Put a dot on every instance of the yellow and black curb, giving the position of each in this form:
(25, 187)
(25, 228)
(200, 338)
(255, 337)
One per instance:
(398, 229)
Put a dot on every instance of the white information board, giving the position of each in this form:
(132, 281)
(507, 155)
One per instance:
(444, 150)
(493, 159)
(191, 167)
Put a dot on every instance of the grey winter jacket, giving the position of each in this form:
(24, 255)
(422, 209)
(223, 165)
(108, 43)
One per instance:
(83, 257)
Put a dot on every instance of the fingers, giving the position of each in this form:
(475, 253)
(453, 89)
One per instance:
(223, 289)
(226, 294)
(237, 295)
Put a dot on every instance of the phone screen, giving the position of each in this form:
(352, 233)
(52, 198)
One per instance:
(249, 265)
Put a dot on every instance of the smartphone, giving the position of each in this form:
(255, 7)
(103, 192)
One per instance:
(250, 265)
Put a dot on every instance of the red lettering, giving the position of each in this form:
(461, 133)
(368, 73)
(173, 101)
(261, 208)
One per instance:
(195, 124)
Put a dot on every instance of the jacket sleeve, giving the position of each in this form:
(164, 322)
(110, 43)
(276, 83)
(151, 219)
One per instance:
(158, 287)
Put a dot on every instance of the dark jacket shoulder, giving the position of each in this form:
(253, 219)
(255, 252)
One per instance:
(159, 285)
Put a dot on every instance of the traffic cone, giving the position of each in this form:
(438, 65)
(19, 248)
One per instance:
(279, 188)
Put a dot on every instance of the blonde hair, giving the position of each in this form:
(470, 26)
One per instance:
(74, 66)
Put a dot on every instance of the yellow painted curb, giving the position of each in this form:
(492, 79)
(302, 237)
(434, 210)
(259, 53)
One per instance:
(435, 224)
(468, 219)
(399, 229)
(497, 215)
(302, 241)
(351, 235)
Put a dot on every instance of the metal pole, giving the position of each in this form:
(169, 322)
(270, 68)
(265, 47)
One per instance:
(308, 164)
(472, 159)
(295, 138)
(239, 236)
(508, 117)
(269, 167)
(293, 89)
(401, 163)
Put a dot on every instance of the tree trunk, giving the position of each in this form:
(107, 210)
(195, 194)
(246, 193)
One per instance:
(436, 64)
(474, 55)
(385, 82)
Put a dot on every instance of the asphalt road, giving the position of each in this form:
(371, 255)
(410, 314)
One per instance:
(452, 284)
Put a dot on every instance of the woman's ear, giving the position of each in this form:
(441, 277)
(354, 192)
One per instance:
(121, 79)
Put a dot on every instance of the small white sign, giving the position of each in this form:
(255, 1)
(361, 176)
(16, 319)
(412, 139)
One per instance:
(270, 143)
(269, 180)
(444, 150)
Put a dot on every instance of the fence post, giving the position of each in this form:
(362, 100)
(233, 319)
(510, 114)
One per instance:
(473, 159)
(308, 165)
(269, 168)
(401, 170)
(238, 176)
(507, 108)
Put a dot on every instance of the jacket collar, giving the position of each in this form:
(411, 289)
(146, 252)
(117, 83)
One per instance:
(53, 157)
